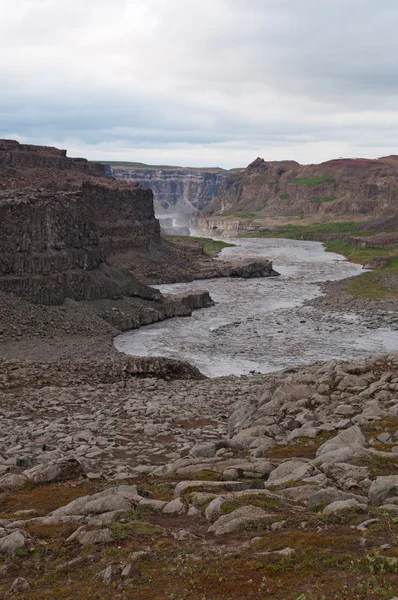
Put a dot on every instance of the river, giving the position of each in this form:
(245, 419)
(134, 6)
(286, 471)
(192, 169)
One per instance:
(262, 325)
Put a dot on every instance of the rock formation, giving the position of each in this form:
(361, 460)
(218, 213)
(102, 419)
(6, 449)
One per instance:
(343, 188)
(67, 231)
(178, 192)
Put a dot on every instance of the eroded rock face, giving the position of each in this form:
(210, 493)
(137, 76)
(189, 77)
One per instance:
(343, 187)
(176, 189)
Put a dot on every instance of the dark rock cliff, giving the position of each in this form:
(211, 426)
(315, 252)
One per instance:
(69, 231)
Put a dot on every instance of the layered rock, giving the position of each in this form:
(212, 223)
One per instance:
(176, 190)
(349, 188)
(50, 246)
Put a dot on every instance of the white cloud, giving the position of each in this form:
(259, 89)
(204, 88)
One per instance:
(210, 82)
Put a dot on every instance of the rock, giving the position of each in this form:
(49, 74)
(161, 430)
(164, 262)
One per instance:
(207, 450)
(114, 502)
(247, 517)
(13, 542)
(348, 437)
(365, 524)
(340, 505)
(174, 507)
(383, 488)
(130, 571)
(292, 470)
(62, 470)
(97, 536)
(246, 437)
(127, 498)
(19, 585)
(285, 552)
(229, 486)
(330, 495)
(11, 481)
(107, 575)
(213, 510)
(340, 455)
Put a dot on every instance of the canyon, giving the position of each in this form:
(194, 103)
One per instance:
(178, 192)
(269, 193)
(74, 239)
(136, 477)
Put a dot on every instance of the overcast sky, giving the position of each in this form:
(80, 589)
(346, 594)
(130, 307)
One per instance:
(201, 82)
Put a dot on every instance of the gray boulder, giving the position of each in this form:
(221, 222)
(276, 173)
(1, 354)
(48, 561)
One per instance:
(292, 470)
(383, 488)
(330, 495)
(242, 518)
(61, 470)
(340, 505)
(348, 437)
(13, 542)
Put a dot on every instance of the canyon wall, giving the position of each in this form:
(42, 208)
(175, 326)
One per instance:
(69, 231)
(176, 190)
(51, 249)
(345, 188)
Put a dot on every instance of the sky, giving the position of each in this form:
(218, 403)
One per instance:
(201, 82)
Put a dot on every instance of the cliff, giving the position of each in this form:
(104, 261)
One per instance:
(176, 190)
(349, 188)
(68, 232)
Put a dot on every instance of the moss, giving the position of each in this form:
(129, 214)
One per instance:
(324, 199)
(313, 181)
(121, 531)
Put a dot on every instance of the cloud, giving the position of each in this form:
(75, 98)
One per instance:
(215, 82)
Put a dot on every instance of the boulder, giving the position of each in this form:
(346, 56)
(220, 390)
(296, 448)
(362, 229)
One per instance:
(174, 507)
(13, 542)
(247, 517)
(58, 470)
(340, 505)
(12, 481)
(348, 437)
(330, 495)
(229, 486)
(292, 470)
(383, 488)
(77, 507)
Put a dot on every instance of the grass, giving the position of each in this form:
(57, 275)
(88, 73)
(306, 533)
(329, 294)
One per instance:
(371, 286)
(360, 254)
(211, 247)
(309, 232)
(313, 181)
(284, 196)
(324, 199)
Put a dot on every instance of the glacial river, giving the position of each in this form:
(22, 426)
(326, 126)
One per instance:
(262, 325)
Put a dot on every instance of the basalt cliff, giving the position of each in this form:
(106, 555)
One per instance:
(178, 192)
(342, 189)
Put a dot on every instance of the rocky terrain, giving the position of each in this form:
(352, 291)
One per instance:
(342, 189)
(86, 246)
(281, 486)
